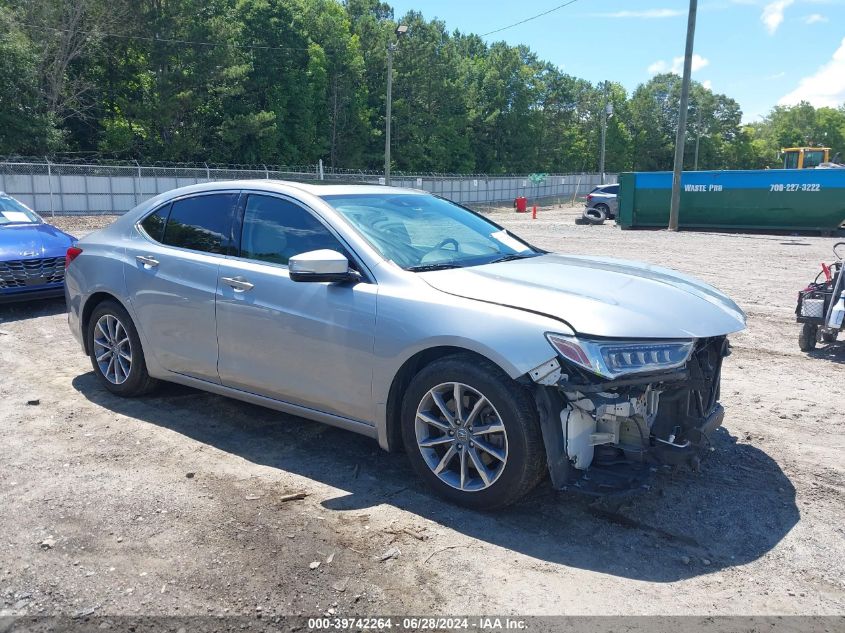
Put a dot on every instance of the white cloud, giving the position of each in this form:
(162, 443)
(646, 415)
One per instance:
(825, 87)
(772, 15)
(777, 75)
(708, 85)
(814, 18)
(648, 14)
(677, 66)
(698, 62)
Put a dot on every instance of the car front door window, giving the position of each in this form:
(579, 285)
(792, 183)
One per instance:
(274, 230)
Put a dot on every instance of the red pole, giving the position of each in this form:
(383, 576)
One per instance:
(534, 212)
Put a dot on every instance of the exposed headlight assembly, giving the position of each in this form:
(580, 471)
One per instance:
(612, 359)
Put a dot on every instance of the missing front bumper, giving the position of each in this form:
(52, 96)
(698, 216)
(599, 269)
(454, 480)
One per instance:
(690, 451)
(611, 436)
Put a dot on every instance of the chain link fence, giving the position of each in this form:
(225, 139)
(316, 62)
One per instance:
(67, 188)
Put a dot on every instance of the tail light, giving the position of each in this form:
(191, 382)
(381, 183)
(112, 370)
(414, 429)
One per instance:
(589, 197)
(72, 253)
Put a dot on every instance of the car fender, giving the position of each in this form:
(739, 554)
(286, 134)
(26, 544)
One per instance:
(512, 338)
(89, 271)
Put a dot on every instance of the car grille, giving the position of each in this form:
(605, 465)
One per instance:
(32, 272)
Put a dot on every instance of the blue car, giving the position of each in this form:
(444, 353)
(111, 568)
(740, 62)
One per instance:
(32, 254)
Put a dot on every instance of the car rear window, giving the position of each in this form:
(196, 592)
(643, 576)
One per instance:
(201, 223)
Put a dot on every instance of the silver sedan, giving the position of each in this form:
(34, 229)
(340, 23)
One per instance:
(412, 320)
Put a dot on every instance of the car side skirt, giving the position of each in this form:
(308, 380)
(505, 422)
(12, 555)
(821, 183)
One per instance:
(347, 424)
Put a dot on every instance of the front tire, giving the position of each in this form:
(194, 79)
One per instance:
(472, 433)
(115, 350)
(808, 337)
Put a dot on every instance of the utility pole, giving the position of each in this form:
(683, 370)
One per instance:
(697, 134)
(391, 47)
(607, 110)
(680, 138)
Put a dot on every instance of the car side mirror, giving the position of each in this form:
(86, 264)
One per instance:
(321, 265)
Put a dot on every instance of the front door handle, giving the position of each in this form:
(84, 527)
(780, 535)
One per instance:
(146, 260)
(238, 283)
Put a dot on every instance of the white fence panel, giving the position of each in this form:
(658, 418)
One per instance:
(65, 188)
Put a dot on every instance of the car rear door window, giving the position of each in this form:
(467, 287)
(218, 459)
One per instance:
(201, 223)
(613, 189)
(153, 224)
(274, 230)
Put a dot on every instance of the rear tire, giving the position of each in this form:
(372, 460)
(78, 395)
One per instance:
(808, 337)
(116, 353)
(491, 453)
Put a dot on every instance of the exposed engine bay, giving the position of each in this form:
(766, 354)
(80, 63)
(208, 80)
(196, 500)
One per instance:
(609, 435)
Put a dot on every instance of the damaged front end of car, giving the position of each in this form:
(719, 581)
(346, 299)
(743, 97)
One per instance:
(612, 411)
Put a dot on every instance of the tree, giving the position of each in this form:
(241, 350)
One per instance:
(25, 125)
(295, 81)
(654, 118)
(801, 125)
(429, 113)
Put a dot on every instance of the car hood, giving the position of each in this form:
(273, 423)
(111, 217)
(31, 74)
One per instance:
(33, 241)
(599, 296)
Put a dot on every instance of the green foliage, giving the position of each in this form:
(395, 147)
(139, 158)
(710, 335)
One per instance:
(25, 126)
(295, 81)
(797, 126)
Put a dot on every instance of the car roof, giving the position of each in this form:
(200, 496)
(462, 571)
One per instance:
(282, 186)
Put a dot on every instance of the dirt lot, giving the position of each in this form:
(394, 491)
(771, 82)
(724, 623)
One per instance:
(171, 504)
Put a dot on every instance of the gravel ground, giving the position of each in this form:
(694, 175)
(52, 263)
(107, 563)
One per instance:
(174, 503)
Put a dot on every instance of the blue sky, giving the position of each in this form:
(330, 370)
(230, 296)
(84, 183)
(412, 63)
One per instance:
(760, 52)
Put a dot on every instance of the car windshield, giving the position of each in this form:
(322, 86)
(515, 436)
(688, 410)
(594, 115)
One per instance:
(420, 232)
(13, 212)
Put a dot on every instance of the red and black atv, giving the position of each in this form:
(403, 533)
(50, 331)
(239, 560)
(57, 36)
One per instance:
(821, 305)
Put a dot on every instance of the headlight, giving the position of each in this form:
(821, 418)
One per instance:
(612, 359)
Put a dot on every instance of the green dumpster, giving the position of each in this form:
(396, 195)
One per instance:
(770, 199)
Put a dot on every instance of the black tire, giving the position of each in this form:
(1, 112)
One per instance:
(596, 215)
(138, 382)
(526, 459)
(607, 214)
(808, 337)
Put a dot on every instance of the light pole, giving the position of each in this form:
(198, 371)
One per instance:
(605, 115)
(675, 202)
(400, 31)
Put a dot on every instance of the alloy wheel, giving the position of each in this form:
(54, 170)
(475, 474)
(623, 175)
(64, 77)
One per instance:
(112, 349)
(461, 436)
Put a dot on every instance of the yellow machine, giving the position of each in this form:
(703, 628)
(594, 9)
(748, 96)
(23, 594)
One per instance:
(805, 157)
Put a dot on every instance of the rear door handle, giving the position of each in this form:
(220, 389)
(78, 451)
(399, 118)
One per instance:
(146, 260)
(238, 283)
